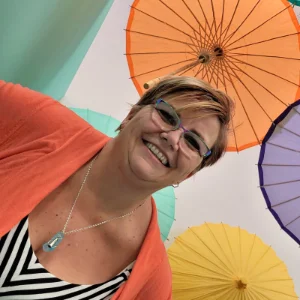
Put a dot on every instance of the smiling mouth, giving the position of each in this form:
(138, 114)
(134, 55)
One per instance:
(157, 153)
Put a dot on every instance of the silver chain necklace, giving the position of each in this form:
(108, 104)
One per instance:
(58, 237)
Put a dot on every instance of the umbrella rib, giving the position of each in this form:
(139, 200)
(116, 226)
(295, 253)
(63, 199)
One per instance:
(163, 213)
(285, 201)
(214, 21)
(212, 70)
(200, 41)
(260, 259)
(209, 294)
(174, 12)
(283, 147)
(205, 268)
(263, 70)
(209, 71)
(254, 29)
(160, 52)
(240, 246)
(164, 67)
(258, 295)
(199, 70)
(226, 90)
(217, 76)
(250, 294)
(250, 253)
(194, 45)
(232, 17)
(224, 281)
(229, 245)
(267, 270)
(225, 41)
(264, 41)
(273, 280)
(221, 23)
(262, 55)
(245, 86)
(206, 73)
(286, 225)
(278, 165)
(279, 183)
(288, 130)
(230, 293)
(164, 236)
(245, 111)
(206, 21)
(274, 291)
(251, 77)
(163, 22)
(221, 248)
(225, 269)
(200, 26)
(158, 36)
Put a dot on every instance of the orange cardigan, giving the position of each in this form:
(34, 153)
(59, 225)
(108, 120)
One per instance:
(41, 144)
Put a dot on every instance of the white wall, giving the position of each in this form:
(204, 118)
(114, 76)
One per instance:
(227, 192)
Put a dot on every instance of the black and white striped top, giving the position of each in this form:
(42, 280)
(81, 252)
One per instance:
(23, 277)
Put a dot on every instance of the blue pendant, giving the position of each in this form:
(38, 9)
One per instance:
(53, 242)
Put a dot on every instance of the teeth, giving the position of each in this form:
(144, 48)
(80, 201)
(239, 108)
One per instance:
(157, 153)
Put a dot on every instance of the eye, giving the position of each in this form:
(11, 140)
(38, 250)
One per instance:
(167, 117)
(192, 142)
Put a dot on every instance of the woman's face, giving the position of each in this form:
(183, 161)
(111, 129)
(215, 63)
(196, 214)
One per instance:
(146, 130)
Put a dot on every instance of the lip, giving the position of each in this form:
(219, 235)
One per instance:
(169, 165)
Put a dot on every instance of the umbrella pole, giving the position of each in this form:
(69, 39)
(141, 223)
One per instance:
(149, 84)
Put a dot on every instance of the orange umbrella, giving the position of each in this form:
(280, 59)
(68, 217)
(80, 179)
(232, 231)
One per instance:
(248, 48)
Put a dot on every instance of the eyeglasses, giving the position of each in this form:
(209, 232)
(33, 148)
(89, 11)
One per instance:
(171, 118)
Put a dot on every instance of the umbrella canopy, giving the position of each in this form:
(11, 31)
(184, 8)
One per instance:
(237, 46)
(164, 199)
(219, 262)
(296, 2)
(279, 170)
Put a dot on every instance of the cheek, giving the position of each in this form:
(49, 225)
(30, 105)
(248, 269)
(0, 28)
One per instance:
(187, 164)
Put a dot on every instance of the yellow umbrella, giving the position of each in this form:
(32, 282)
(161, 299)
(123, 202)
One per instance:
(220, 262)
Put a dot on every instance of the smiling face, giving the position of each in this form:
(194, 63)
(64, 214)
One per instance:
(156, 154)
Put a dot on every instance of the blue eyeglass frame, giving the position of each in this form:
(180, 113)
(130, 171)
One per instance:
(208, 153)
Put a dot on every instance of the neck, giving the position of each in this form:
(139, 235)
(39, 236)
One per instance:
(111, 189)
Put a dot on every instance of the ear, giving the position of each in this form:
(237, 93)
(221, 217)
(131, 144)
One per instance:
(130, 115)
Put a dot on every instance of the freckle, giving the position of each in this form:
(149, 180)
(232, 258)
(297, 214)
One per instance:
(57, 215)
(86, 250)
(69, 244)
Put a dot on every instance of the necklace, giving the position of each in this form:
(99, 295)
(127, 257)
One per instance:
(58, 237)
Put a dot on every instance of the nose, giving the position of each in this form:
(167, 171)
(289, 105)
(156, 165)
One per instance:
(172, 138)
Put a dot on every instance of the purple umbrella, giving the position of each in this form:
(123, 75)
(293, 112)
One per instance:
(279, 170)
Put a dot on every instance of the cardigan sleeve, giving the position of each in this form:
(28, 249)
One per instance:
(18, 105)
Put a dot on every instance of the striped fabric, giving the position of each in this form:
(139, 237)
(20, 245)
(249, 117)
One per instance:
(23, 277)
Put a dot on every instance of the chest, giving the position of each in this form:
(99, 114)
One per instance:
(89, 257)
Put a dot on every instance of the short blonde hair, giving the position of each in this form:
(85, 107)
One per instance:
(194, 95)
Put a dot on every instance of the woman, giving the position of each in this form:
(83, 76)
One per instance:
(77, 220)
